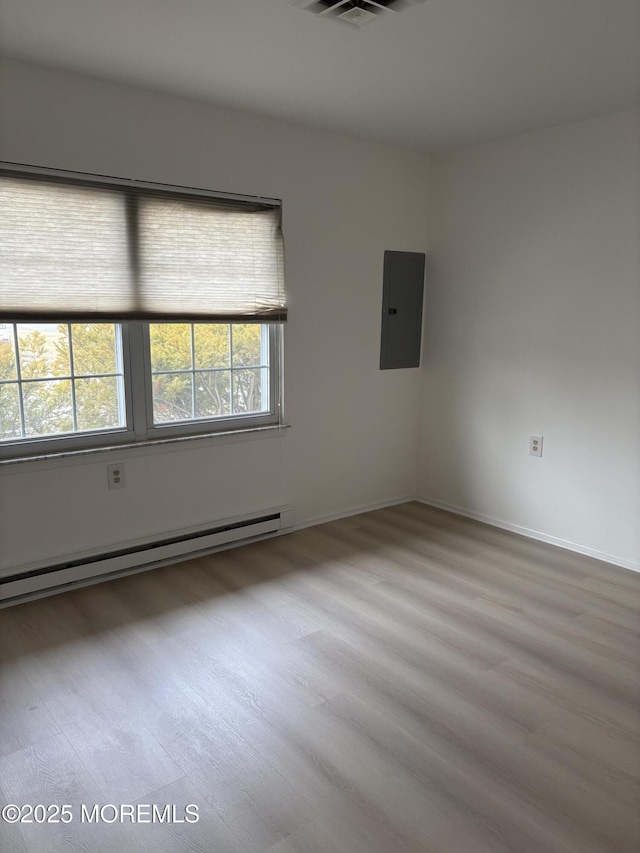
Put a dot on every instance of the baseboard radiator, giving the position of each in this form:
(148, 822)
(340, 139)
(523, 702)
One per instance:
(32, 582)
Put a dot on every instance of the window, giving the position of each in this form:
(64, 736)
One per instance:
(60, 379)
(130, 312)
(208, 371)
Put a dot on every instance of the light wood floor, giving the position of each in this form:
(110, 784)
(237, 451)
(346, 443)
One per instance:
(397, 682)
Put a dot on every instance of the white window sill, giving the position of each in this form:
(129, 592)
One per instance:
(155, 445)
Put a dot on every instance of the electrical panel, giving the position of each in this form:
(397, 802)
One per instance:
(402, 294)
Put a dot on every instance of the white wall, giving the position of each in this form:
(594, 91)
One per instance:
(533, 327)
(354, 428)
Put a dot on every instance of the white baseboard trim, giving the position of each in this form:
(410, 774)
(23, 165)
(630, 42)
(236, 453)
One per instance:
(623, 562)
(354, 510)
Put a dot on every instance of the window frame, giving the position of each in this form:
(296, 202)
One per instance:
(269, 417)
(138, 405)
(68, 441)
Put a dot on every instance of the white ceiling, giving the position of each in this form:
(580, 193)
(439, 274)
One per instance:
(442, 74)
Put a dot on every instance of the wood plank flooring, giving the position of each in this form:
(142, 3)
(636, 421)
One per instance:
(404, 681)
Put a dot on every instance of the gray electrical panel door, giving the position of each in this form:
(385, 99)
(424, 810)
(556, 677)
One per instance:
(402, 291)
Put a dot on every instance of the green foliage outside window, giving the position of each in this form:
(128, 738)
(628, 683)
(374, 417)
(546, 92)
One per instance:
(223, 378)
(79, 373)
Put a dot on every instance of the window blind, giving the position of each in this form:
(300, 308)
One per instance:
(88, 248)
(215, 257)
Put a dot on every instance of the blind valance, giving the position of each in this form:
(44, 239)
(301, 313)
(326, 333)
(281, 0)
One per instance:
(87, 247)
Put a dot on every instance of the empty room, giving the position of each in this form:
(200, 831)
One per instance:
(319, 426)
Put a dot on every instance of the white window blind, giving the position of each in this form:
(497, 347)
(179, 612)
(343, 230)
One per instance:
(62, 247)
(216, 257)
(89, 248)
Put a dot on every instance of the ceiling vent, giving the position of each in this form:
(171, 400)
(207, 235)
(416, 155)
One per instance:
(355, 12)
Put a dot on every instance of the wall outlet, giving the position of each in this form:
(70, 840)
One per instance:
(535, 445)
(115, 476)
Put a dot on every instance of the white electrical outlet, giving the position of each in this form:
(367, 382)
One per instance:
(115, 476)
(535, 445)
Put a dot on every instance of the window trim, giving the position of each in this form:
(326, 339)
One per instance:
(89, 179)
(112, 452)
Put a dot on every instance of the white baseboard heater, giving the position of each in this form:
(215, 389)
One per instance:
(34, 581)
